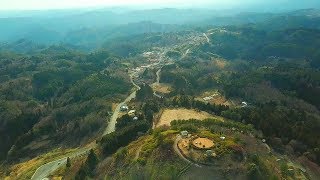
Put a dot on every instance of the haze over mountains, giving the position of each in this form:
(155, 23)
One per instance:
(160, 89)
(245, 5)
(90, 28)
(63, 24)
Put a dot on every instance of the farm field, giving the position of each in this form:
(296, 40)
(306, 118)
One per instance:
(169, 115)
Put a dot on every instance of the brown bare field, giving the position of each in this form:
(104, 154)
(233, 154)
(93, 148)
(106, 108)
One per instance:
(169, 115)
(184, 145)
(162, 88)
(217, 99)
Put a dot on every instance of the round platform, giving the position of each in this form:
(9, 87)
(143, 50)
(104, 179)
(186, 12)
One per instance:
(203, 143)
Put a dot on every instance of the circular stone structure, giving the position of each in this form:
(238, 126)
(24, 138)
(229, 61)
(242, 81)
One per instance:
(202, 143)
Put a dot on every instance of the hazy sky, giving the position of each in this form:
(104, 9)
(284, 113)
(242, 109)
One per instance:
(58, 4)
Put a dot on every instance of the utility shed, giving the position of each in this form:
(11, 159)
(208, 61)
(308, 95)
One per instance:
(184, 133)
(131, 112)
(124, 108)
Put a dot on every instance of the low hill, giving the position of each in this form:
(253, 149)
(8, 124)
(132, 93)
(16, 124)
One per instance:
(238, 152)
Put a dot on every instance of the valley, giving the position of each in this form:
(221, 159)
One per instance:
(238, 100)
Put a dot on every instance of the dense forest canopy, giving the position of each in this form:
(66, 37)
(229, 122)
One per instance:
(55, 90)
(64, 82)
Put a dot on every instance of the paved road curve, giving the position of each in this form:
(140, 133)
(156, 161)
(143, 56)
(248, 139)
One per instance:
(115, 115)
(113, 120)
(46, 169)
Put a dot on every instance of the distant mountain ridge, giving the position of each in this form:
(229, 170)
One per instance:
(91, 28)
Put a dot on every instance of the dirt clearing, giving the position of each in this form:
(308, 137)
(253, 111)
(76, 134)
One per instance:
(162, 88)
(169, 115)
(214, 97)
(203, 143)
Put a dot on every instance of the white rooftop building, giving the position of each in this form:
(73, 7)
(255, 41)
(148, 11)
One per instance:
(132, 112)
(184, 133)
(124, 108)
(244, 104)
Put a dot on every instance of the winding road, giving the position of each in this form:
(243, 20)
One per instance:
(157, 83)
(45, 170)
(185, 54)
(113, 120)
(205, 35)
(48, 168)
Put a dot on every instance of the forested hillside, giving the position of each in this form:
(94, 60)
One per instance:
(55, 97)
(277, 72)
(145, 94)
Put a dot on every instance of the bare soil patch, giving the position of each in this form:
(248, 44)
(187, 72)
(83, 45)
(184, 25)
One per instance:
(203, 143)
(169, 115)
(216, 98)
(162, 88)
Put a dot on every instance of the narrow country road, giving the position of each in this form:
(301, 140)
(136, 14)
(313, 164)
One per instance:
(185, 54)
(158, 79)
(46, 169)
(205, 35)
(158, 76)
(113, 120)
(157, 83)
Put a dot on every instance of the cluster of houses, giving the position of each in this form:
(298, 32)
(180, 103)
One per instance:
(149, 54)
(132, 112)
(185, 134)
(208, 98)
(244, 104)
